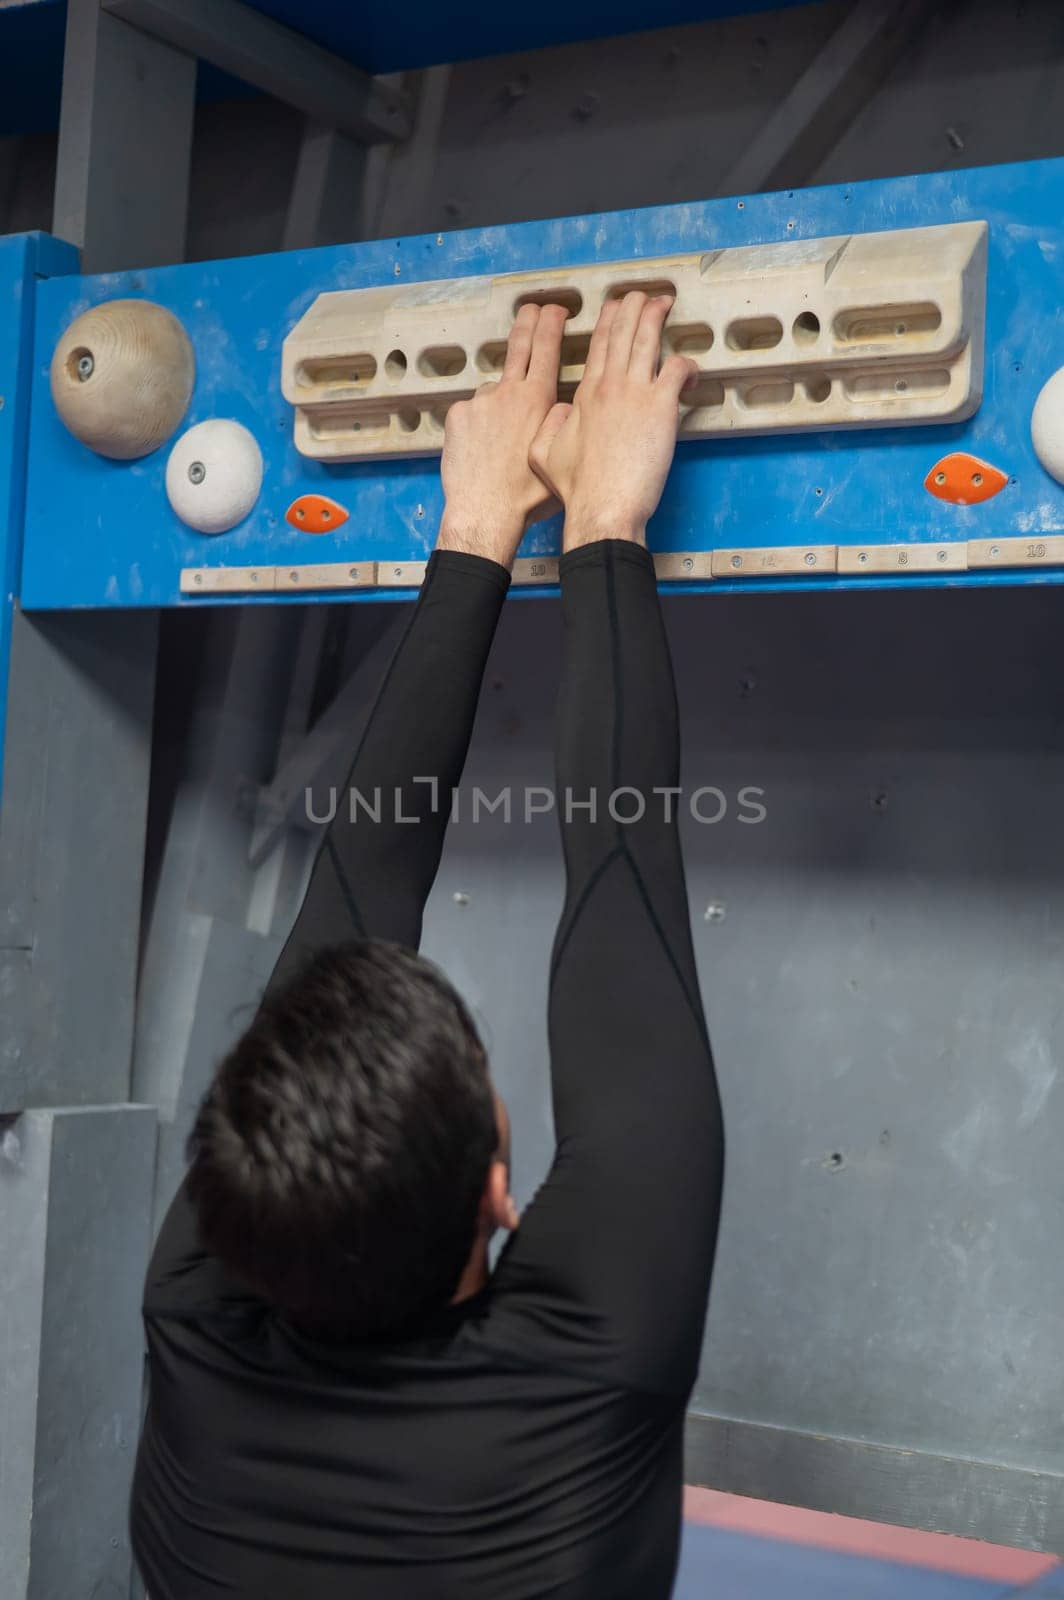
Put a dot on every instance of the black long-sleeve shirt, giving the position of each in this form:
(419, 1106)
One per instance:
(527, 1443)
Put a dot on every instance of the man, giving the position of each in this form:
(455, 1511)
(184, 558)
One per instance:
(344, 1403)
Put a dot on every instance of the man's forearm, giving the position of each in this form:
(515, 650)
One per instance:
(382, 848)
(619, 1241)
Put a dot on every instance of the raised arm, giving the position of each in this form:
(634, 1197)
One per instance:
(380, 854)
(373, 877)
(611, 1265)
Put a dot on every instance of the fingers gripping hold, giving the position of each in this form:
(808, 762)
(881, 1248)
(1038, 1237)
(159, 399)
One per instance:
(519, 344)
(646, 345)
(546, 353)
(677, 372)
(623, 329)
(595, 364)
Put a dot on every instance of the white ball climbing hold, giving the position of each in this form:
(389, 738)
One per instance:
(214, 475)
(1047, 426)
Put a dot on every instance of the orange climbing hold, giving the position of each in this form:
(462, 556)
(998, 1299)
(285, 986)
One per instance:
(315, 513)
(964, 480)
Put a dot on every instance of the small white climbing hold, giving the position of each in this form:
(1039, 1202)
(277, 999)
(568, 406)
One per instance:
(1047, 426)
(214, 475)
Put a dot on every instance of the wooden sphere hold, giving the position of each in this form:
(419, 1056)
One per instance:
(122, 377)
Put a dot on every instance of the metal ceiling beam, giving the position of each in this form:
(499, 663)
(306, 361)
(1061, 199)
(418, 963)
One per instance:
(276, 59)
(827, 97)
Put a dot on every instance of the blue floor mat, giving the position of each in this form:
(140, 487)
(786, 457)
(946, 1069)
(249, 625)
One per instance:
(1051, 1585)
(717, 1564)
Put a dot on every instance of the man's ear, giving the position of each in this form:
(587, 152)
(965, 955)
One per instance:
(497, 1209)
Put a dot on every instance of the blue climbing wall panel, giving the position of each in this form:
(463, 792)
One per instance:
(101, 533)
(23, 258)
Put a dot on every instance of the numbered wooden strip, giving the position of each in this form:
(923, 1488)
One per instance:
(328, 575)
(870, 559)
(1046, 552)
(777, 561)
(536, 569)
(400, 574)
(228, 580)
(676, 566)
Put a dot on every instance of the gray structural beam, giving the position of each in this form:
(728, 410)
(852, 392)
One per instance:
(910, 1488)
(345, 191)
(76, 1161)
(828, 95)
(125, 141)
(215, 923)
(326, 198)
(322, 756)
(76, 768)
(220, 912)
(75, 1204)
(399, 180)
(276, 59)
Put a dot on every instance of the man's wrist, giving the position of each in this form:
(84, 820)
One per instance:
(580, 530)
(495, 541)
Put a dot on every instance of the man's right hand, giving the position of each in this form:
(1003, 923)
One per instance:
(606, 456)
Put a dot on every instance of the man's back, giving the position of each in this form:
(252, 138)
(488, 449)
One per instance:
(446, 1466)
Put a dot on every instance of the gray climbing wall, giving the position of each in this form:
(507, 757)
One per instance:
(881, 963)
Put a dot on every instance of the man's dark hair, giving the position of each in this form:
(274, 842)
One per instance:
(339, 1157)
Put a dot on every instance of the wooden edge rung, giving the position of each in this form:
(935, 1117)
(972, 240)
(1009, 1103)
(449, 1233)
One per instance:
(329, 575)
(870, 559)
(1047, 551)
(774, 561)
(228, 580)
(683, 566)
(531, 570)
(400, 574)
